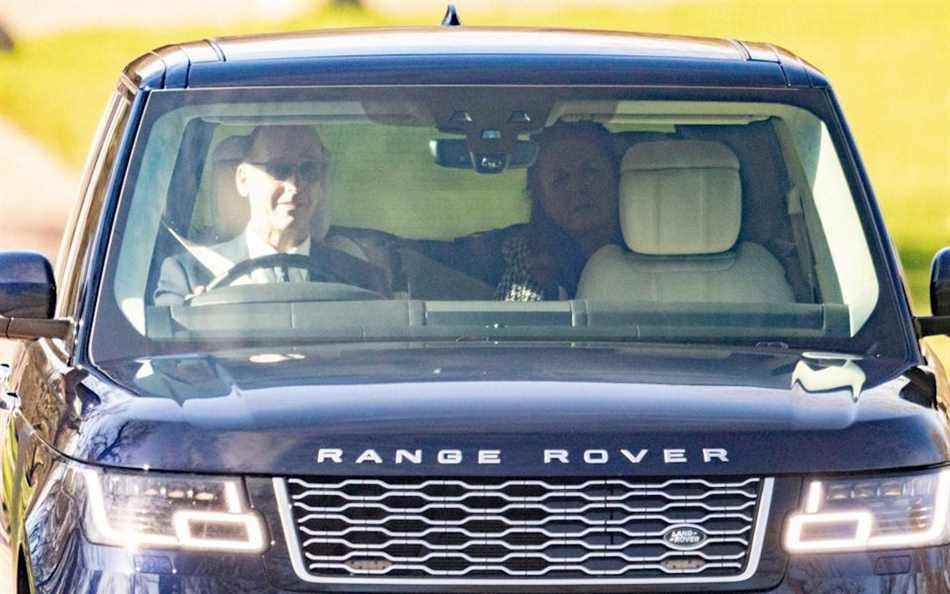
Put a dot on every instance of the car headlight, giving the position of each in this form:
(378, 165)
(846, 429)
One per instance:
(865, 513)
(156, 510)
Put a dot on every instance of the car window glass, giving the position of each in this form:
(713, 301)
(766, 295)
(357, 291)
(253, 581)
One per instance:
(89, 210)
(90, 165)
(619, 219)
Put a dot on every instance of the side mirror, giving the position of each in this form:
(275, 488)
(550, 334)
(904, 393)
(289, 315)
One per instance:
(27, 287)
(940, 283)
(28, 298)
(939, 322)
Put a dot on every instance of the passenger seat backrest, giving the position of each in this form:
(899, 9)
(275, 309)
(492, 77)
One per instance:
(680, 216)
(680, 197)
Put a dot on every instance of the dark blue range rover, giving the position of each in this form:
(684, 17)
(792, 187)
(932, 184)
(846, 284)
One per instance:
(473, 310)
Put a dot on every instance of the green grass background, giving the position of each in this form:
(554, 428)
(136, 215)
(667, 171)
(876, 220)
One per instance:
(888, 61)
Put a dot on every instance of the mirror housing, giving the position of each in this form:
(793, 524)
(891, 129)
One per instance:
(455, 153)
(939, 322)
(27, 287)
(940, 283)
(28, 298)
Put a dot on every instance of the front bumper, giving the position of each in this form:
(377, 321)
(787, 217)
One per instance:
(63, 561)
(93, 569)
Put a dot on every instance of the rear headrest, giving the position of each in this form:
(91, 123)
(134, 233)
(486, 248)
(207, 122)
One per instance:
(680, 197)
(231, 210)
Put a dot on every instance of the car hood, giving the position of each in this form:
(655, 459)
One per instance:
(539, 411)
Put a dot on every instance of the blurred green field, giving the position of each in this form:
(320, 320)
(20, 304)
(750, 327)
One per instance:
(888, 62)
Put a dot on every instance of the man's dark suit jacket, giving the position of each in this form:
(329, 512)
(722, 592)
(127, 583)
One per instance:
(358, 257)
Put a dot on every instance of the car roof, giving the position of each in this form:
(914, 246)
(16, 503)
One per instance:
(469, 54)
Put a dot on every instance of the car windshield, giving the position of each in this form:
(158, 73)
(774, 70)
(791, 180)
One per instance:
(422, 213)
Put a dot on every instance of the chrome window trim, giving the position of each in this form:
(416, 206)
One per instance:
(296, 557)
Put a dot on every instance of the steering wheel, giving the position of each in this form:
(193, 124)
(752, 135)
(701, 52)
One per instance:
(342, 288)
(279, 260)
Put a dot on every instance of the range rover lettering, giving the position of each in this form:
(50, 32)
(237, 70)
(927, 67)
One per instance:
(453, 309)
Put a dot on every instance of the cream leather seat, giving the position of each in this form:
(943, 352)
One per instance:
(680, 214)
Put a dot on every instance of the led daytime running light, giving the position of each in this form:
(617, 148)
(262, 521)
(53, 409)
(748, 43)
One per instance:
(183, 519)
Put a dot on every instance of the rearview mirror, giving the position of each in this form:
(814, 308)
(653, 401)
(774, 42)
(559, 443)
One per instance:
(454, 153)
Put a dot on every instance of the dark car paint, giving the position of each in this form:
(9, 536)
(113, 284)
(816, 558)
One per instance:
(26, 279)
(62, 561)
(241, 418)
(940, 285)
(467, 52)
(70, 409)
(237, 420)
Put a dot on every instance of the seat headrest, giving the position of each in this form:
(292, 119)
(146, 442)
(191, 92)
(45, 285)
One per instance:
(231, 210)
(680, 197)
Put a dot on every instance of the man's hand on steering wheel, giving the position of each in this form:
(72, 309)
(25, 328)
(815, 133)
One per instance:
(285, 261)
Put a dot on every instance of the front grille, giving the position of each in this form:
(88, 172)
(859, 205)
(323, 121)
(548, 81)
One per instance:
(493, 530)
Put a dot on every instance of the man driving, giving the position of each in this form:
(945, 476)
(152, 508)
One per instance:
(283, 175)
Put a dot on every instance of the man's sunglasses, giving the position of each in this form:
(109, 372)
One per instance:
(308, 171)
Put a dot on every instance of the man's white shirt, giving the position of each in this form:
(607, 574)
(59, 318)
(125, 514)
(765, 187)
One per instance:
(257, 247)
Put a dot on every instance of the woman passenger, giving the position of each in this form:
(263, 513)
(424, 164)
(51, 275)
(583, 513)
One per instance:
(573, 191)
(574, 212)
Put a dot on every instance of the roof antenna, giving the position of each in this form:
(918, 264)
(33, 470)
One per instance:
(451, 18)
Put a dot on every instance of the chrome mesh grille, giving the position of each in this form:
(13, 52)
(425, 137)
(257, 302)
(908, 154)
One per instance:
(495, 529)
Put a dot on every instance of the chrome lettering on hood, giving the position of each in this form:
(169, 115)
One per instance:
(551, 456)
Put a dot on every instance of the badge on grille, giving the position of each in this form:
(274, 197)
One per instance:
(685, 537)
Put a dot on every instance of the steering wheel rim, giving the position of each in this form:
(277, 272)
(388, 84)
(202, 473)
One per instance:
(279, 260)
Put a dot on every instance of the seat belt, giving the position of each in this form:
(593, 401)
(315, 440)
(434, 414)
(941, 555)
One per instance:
(217, 264)
(806, 259)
